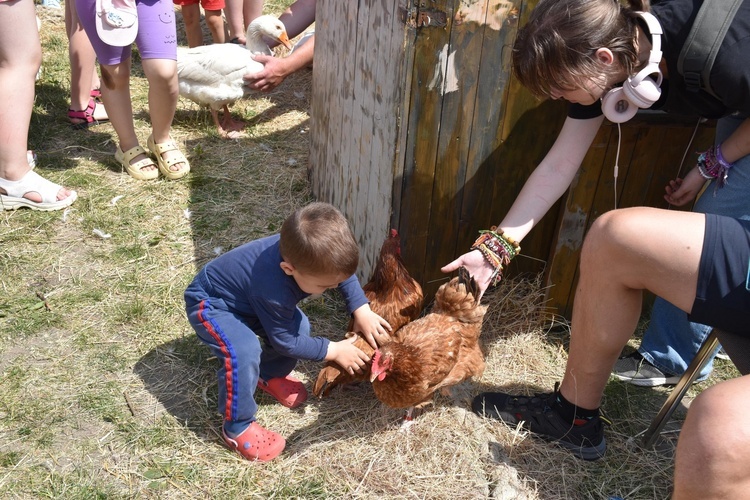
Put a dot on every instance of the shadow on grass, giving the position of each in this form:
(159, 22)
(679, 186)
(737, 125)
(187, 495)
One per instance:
(180, 375)
(177, 375)
(49, 122)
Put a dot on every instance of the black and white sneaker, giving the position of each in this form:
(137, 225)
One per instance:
(722, 354)
(635, 370)
(537, 414)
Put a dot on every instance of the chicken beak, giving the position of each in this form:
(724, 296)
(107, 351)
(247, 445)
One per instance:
(284, 39)
(373, 376)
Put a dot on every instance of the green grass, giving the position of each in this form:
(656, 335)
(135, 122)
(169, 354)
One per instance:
(79, 311)
(105, 392)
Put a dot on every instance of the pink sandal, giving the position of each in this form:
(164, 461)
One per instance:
(288, 391)
(85, 117)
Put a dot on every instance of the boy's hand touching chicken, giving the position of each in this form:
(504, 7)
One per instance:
(347, 355)
(373, 327)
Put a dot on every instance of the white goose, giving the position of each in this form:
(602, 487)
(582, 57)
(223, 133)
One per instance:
(211, 75)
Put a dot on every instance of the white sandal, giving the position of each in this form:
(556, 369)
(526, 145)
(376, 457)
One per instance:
(33, 183)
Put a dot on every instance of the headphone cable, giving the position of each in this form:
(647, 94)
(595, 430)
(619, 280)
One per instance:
(679, 169)
(684, 155)
(617, 161)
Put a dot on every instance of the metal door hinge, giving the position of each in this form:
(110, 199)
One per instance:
(421, 18)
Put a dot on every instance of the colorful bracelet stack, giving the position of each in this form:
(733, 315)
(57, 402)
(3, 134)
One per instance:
(712, 165)
(498, 249)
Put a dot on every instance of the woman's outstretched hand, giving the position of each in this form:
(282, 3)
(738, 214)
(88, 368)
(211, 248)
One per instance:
(478, 268)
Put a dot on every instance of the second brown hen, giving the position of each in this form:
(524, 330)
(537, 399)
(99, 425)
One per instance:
(394, 295)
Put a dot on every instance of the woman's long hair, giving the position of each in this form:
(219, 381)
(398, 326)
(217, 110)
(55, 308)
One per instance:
(556, 49)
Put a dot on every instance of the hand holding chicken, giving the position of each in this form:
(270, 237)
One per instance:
(394, 296)
(370, 325)
(347, 355)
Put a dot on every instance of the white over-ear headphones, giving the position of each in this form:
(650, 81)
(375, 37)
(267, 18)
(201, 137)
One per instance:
(640, 91)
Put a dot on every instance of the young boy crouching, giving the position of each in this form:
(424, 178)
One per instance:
(243, 304)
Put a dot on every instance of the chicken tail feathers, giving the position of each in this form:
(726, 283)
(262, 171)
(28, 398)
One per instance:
(469, 282)
(460, 298)
(328, 378)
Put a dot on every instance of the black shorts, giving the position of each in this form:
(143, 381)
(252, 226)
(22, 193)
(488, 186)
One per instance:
(722, 298)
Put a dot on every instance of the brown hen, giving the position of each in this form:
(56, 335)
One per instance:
(435, 352)
(394, 295)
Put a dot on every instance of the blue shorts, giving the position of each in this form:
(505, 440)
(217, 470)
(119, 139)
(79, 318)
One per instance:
(722, 297)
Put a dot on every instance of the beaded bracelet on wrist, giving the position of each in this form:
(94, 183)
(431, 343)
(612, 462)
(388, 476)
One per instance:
(493, 260)
(509, 243)
(702, 170)
(498, 250)
(712, 165)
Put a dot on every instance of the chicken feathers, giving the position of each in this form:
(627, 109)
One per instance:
(435, 352)
(394, 295)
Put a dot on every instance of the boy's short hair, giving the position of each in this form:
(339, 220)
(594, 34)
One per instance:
(316, 239)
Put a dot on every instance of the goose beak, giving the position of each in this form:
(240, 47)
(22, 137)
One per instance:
(284, 39)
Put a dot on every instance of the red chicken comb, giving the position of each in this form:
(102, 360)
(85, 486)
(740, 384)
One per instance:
(376, 358)
(394, 233)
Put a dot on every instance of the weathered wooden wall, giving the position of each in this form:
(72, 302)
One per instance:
(361, 61)
(652, 148)
(417, 123)
(408, 115)
(457, 115)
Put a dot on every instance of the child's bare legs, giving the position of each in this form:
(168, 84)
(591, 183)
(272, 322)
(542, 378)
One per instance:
(191, 14)
(240, 14)
(162, 101)
(19, 61)
(116, 95)
(233, 11)
(20, 58)
(215, 23)
(250, 10)
(83, 76)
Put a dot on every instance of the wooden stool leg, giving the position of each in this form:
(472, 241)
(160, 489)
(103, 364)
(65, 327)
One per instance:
(687, 379)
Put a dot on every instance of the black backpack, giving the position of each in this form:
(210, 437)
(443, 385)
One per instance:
(703, 42)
